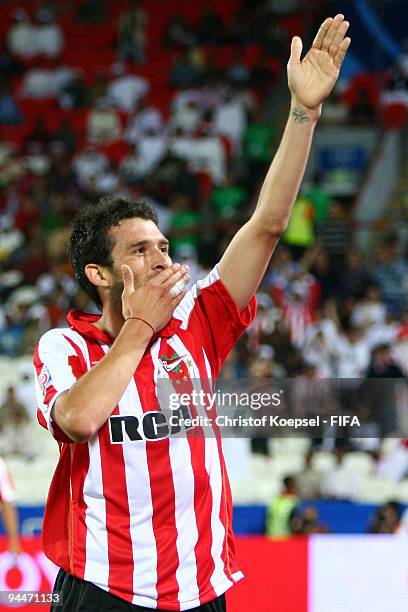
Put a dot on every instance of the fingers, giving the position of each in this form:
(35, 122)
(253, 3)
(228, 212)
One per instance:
(168, 277)
(128, 280)
(332, 32)
(165, 274)
(317, 43)
(179, 275)
(338, 38)
(341, 53)
(296, 49)
(177, 299)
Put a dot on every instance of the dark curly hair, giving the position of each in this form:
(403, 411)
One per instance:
(90, 240)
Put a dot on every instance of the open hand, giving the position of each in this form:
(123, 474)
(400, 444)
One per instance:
(312, 79)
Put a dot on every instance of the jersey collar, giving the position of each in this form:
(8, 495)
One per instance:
(84, 323)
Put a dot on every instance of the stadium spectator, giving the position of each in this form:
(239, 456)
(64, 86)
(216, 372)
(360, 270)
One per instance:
(386, 519)
(230, 119)
(146, 120)
(15, 427)
(89, 163)
(300, 234)
(187, 69)
(9, 111)
(390, 271)
(306, 521)
(381, 388)
(308, 482)
(49, 39)
(126, 89)
(38, 82)
(103, 123)
(132, 34)
(184, 222)
(370, 310)
(282, 509)
(334, 235)
(21, 37)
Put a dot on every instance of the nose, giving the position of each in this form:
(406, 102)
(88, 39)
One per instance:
(161, 261)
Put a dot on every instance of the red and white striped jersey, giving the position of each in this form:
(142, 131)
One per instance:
(149, 521)
(7, 490)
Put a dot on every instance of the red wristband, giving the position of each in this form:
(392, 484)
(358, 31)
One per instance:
(144, 321)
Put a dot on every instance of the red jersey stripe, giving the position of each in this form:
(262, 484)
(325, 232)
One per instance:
(162, 492)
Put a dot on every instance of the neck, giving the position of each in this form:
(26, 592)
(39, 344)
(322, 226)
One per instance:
(111, 321)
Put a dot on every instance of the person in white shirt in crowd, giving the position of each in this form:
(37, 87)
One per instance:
(383, 333)
(185, 119)
(21, 37)
(353, 354)
(38, 82)
(145, 157)
(89, 163)
(25, 392)
(230, 119)
(394, 465)
(145, 120)
(103, 123)
(370, 311)
(205, 154)
(125, 90)
(318, 352)
(49, 39)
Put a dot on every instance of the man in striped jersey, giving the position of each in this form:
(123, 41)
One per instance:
(135, 517)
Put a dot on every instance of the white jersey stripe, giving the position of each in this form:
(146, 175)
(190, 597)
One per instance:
(184, 309)
(97, 560)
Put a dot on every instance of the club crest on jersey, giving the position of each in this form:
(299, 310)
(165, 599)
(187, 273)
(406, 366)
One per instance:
(44, 378)
(171, 364)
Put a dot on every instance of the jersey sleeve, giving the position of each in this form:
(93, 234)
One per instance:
(58, 367)
(210, 313)
(7, 490)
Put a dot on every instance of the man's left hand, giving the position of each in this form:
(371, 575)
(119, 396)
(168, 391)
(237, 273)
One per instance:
(312, 79)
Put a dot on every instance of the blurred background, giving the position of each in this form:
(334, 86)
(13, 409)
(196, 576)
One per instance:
(183, 104)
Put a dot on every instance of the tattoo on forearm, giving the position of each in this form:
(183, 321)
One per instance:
(300, 116)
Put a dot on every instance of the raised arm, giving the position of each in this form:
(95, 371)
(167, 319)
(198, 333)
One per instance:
(310, 81)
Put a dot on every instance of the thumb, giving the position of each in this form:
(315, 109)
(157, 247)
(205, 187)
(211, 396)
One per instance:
(128, 283)
(296, 49)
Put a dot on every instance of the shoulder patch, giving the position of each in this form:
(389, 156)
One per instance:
(44, 378)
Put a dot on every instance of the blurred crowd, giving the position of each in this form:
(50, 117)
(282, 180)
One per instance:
(325, 310)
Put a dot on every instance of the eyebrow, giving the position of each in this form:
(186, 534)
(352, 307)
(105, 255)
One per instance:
(148, 242)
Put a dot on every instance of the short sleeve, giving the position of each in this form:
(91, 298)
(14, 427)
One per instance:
(58, 366)
(7, 490)
(210, 313)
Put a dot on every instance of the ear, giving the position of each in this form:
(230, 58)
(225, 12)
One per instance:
(96, 275)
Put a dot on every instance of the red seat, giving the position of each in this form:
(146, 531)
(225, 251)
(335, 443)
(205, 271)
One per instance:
(395, 116)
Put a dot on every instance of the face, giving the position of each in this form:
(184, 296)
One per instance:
(140, 245)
